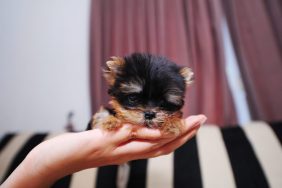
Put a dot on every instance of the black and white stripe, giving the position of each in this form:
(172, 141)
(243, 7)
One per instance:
(247, 156)
(216, 169)
(261, 138)
(10, 151)
(5, 140)
(138, 171)
(277, 128)
(187, 166)
(246, 167)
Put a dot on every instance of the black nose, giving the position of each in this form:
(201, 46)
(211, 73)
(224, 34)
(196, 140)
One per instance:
(149, 115)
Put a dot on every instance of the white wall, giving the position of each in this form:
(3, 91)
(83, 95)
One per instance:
(43, 64)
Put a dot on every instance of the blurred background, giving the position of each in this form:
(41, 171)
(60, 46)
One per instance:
(44, 64)
(51, 54)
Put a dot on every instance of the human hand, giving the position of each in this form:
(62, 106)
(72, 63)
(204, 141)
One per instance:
(72, 152)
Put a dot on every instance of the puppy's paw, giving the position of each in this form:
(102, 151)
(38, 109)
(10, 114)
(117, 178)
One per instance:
(104, 120)
(111, 123)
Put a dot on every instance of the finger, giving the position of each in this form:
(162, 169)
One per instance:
(200, 117)
(191, 122)
(128, 132)
(173, 145)
(148, 133)
(135, 147)
(156, 134)
(123, 134)
(139, 147)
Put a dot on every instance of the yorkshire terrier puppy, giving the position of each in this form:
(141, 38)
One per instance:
(145, 90)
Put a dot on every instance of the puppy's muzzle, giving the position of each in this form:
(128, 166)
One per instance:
(148, 115)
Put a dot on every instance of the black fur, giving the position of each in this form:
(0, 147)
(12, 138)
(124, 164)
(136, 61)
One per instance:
(157, 75)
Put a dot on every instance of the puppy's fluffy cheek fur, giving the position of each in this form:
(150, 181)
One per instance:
(160, 117)
(130, 116)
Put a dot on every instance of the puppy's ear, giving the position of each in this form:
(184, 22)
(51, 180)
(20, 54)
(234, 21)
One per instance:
(114, 67)
(187, 74)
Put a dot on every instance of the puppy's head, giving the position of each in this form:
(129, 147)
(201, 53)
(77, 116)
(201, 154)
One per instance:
(146, 89)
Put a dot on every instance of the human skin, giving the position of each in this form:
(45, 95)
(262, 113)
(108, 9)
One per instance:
(72, 152)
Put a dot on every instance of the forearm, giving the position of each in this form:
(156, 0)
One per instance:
(27, 174)
(56, 158)
(38, 170)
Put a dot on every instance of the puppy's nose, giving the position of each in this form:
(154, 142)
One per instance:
(149, 115)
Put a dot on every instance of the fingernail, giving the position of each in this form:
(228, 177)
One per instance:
(203, 119)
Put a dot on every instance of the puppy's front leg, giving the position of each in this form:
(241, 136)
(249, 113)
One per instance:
(105, 120)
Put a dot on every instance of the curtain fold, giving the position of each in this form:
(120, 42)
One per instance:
(256, 32)
(211, 91)
(187, 32)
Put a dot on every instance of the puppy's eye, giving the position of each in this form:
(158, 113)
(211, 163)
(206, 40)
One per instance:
(168, 106)
(132, 99)
(162, 103)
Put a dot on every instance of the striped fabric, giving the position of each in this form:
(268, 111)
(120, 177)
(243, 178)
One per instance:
(248, 156)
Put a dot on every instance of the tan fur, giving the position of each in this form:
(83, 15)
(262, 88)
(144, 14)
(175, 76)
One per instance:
(131, 87)
(175, 99)
(188, 75)
(102, 119)
(113, 68)
(127, 116)
(169, 123)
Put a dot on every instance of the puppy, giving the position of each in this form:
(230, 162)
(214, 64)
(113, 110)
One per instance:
(145, 90)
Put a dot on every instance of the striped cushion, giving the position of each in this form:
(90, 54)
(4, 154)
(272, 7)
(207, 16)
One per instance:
(247, 156)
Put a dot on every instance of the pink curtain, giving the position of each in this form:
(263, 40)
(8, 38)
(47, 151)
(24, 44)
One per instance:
(186, 31)
(257, 35)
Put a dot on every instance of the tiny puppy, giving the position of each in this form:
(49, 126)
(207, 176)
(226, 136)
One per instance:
(145, 90)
